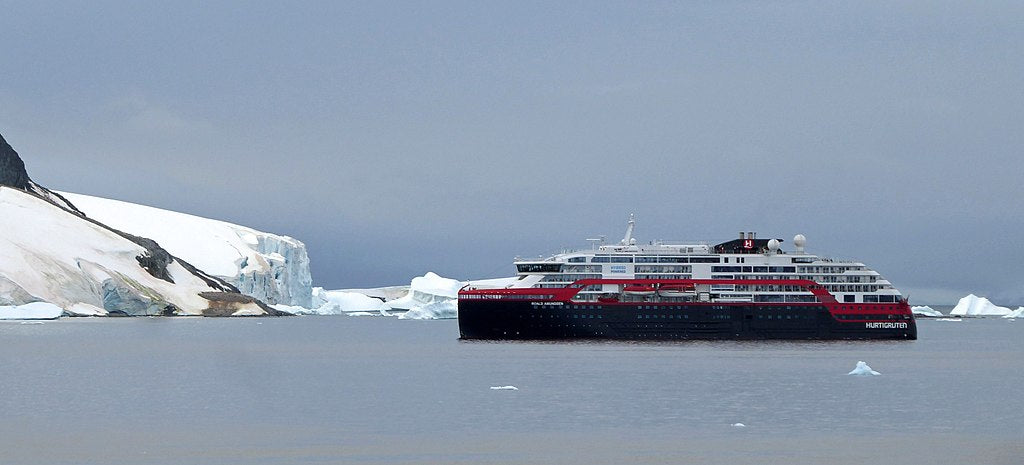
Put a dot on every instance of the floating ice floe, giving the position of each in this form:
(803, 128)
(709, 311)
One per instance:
(31, 311)
(925, 310)
(949, 319)
(504, 388)
(863, 369)
(739, 425)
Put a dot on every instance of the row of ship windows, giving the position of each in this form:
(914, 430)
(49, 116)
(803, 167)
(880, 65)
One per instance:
(774, 288)
(642, 308)
(675, 259)
(631, 259)
(753, 269)
(819, 278)
(872, 317)
(568, 278)
(506, 296)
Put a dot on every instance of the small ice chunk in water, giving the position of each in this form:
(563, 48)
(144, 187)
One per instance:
(504, 388)
(863, 369)
(739, 425)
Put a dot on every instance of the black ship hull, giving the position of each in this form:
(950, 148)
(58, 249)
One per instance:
(523, 319)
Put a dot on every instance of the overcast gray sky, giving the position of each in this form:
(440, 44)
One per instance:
(403, 137)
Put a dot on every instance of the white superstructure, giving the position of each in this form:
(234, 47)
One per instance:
(745, 258)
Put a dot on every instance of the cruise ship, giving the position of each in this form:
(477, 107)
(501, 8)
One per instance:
(744, 288)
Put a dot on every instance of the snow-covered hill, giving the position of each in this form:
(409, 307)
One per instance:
(52, 254)
(272, 268)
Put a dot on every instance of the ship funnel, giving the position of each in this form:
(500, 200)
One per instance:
(743, 235)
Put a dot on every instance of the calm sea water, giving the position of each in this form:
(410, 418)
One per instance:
(382, 391)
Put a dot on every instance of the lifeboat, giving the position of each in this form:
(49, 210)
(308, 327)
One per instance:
(639, 290)
(676, 290)
(608, 298)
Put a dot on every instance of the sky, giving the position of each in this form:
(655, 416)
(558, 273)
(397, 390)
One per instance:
(396, 138)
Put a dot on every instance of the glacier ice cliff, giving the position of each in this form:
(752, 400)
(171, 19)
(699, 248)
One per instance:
(269, 267)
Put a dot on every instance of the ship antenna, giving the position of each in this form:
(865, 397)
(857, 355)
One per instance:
(629, 230)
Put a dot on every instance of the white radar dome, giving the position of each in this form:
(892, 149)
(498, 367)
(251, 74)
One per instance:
(773, 245)
(799, 240)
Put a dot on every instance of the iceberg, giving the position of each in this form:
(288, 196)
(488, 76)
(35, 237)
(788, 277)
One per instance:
(863, 369)
(1018, 313)
(269, 267)
(433, 311)
(427, 297)
(926, 311)
(338, 303)
(973, 305)
(430, 297)
(31, 311)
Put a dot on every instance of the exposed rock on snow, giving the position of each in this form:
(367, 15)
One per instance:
(13, 174)
(863, 369)
(926, 311)
(32, 311)
(51, 252)
(269, 267)
(973, 305)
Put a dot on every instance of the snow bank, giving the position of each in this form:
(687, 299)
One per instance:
(430, 297)
(51, 255)
(272, 268)
(32, 311)
(973, 305)
(926, 311)
(863, 369)
(83, 309)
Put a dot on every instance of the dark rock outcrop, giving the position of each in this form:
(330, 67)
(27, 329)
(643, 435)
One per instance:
(12, 169)
(227, 303)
